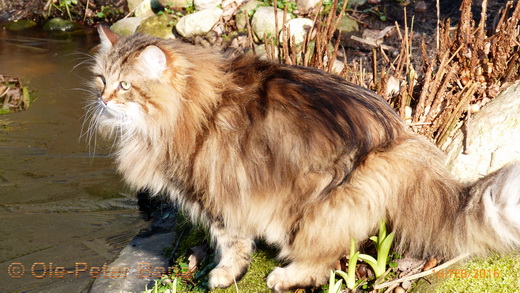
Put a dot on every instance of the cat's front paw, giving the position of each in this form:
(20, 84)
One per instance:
(220, 277)
(277, 281)
(297, 275)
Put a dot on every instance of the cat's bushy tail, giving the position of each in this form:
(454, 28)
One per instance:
(493, 213)
(434, 215)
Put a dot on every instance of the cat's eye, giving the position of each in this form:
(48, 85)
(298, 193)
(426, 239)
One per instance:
(125, 85)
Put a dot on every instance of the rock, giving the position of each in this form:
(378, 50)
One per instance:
(490, 140)
(142, 260)
(393, 86)
(158, 26)
(199, 23)
(240, 17)
(348, 24)
(338, 66)
(132, 4)
(127, 26)
(141, 8)
(175, 3)
(241, 21)
(298, 29)
(231, 8)
(206, 4)
(137, 266)
(307, 4)
(263, 22)
(262, 53)
(421, 7)
(18, 25)
(251, 6)
(60, 25)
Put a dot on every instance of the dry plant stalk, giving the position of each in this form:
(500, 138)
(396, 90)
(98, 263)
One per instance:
(315, 51)
(469, 66)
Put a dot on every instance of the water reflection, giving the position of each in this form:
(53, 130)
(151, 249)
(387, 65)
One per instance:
(57, 204)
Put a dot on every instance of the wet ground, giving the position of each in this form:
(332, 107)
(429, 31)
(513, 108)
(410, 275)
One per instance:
(60, 205)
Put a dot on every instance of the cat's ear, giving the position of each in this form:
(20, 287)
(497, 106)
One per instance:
(107, 37)
(153, 60)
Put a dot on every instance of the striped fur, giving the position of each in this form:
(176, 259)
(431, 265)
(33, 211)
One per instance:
(291, 155)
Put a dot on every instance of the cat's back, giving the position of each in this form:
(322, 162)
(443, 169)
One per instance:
(306, 102)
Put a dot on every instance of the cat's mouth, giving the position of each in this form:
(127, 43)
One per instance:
(111, 110)
(121, 115)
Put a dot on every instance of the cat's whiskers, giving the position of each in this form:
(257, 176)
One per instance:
(87, 63)
(119, 132)
(94, 113)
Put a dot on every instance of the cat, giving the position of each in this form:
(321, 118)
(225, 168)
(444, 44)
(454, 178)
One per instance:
(295, 156)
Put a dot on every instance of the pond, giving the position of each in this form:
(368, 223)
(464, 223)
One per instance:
(62, 206)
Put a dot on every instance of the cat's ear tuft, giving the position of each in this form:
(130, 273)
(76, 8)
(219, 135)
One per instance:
(154, 60)
(107, 37)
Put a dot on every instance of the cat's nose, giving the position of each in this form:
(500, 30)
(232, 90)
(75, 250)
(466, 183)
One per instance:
(103, 100)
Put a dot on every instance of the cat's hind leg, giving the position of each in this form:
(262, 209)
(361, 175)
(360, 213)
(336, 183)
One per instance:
(233, 256)
(322, 236)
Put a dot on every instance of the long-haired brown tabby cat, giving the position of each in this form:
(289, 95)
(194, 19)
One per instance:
(292, 155)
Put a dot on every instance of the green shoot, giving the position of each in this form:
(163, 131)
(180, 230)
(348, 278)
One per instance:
(334, 287)
(383, 242)
(350, 275)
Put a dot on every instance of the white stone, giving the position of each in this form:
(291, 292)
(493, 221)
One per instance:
(393, 87)
(262, 53)
(175, 3)
(356, 2)
(338, 66)
(491, 139)
(132, 4)
(141, 8)
(307, 4)
(298, 29)
(126, 26)
(264, 22)
(206, 4)
(198, 23)
(158, 26)
(348, 24)
(240, 17)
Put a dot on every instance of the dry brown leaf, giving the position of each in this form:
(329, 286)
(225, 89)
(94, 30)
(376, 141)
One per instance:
(199, 253)
(430, 264)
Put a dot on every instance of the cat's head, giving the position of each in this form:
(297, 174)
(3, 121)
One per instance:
(137, 83)
(151, 88)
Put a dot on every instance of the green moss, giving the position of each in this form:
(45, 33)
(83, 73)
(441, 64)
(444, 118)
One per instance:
(262, 262)
(492, 274)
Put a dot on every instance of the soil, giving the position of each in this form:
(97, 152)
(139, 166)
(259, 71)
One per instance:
(421, 15)
(39, 10)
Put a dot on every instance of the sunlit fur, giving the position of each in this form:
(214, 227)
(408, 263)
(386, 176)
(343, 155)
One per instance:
(291, 155)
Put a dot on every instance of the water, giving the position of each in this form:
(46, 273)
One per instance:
(61, 208)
